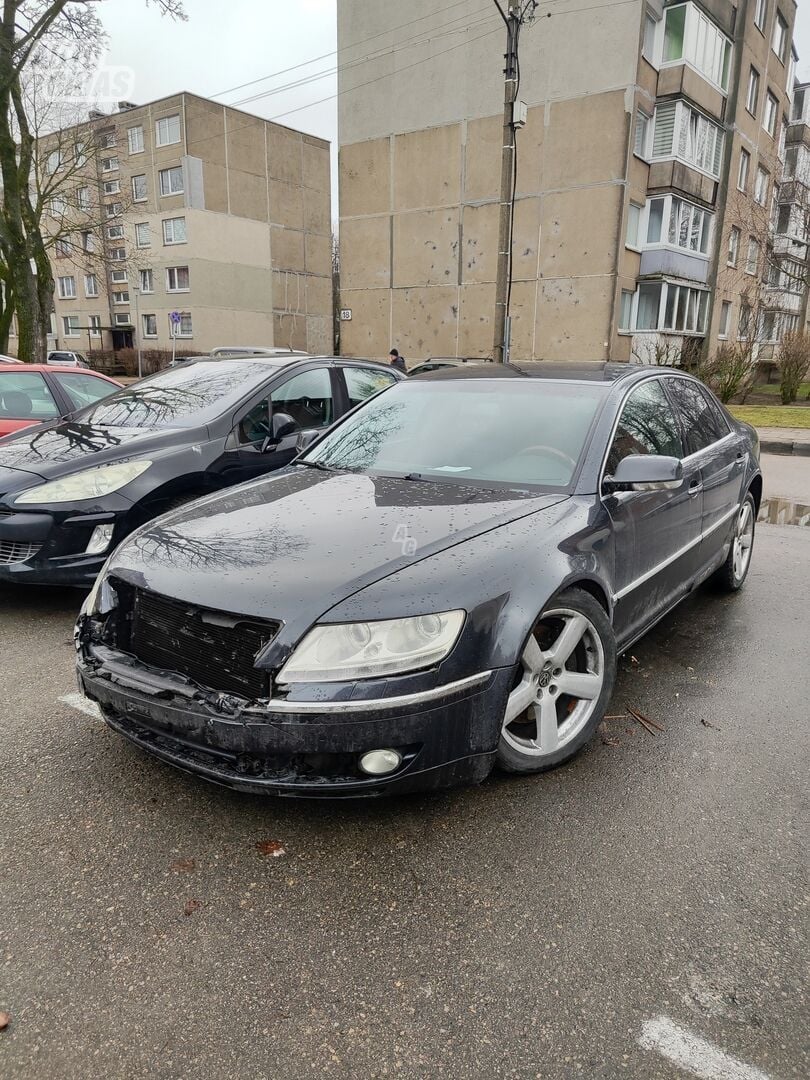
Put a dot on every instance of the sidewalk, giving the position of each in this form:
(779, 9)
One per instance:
(776, 440)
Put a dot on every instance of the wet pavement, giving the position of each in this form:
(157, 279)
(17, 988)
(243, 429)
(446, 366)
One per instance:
(646, 903)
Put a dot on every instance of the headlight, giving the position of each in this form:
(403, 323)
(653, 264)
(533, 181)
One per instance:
(347, 651)
(87, 484)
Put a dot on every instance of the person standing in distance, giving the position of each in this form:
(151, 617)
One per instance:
(397, 361)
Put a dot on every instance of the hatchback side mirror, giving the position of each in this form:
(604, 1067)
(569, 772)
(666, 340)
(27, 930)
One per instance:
(646, 472)
(281, 426)
(305, 438)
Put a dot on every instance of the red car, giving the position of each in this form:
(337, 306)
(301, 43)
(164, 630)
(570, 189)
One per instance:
(33, 393)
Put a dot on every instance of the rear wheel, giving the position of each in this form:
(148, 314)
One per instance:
(734, 570)
(564, 683)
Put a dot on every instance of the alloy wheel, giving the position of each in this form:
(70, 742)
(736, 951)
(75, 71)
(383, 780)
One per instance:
(743, 541)
(563, 672)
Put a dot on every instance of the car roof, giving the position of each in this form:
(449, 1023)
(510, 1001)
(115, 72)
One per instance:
(17, 368)
(595, 371)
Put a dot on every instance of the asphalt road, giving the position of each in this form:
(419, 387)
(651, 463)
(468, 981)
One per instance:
(644, 905)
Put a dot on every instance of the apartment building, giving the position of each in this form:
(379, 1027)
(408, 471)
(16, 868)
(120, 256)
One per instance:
(638, 117)
(792, 225)
(187, 222)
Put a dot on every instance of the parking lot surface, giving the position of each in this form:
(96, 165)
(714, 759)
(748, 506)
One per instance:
(641, 912)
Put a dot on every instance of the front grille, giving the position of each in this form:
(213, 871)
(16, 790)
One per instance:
(214, 649)
(13, 552)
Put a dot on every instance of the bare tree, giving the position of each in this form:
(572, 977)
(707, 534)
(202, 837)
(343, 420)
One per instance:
(67, 32)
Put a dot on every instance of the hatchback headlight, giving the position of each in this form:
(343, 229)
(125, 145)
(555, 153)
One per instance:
(368, 650)
(87, 484)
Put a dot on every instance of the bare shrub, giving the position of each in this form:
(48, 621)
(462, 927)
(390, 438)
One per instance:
(794, 361)
(730, 370)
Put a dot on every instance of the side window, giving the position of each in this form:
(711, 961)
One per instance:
(25, 395)
(361, 383)
(703, 422)
(647, 425)
(307, 398)
(83, 389)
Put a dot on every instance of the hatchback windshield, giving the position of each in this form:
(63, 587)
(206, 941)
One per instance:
(179, 397)
(515, 432)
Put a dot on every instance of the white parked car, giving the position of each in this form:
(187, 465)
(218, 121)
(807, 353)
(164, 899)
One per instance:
(66, 359)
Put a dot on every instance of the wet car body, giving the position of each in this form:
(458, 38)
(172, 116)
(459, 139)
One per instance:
(47, 393)
(47, 541)
(309, 547)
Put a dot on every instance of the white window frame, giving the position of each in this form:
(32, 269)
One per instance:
(733, 251)
(725, 320)
(650, 43)
(67, 286)
(712, 59)
(164, 124)
(178, 331)
(697, 140)
(135, 196)
(83, 198)
(110, 164)
(781, 33)
(147, 281)
(171, 222)
(752, 90)
(107, 140)
(115, 232)
(112, 187)
(88, 241)
(120, 296)
(121, 318)
(770, 114)
(71, 326)
(172, 272)
(143, 234)
(144, 324)
(696, 303)
(135, 141)
(119, 277)
(170, 174)
(94, 325)
(762, 185)
(117, 254)
(761, 15)
(699, 218)
(753, 248)
(623, 300)
(90, 286)
(114, 209)
(635, 216)
(743, 170)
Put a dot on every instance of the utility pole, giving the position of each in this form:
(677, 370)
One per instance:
(514, 17)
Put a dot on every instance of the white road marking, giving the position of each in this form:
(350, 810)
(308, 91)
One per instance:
(81, 704)
(693, 1054)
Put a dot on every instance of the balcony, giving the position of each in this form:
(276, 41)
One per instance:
(679, 264)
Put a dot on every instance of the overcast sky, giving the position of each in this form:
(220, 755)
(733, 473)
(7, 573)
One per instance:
(226, 44)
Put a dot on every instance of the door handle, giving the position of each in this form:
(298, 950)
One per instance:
(740, 458)
(695, 488)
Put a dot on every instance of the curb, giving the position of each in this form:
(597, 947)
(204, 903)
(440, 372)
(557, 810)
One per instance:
(784, 446)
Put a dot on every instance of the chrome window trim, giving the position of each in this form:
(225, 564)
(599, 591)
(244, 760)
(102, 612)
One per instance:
(372, 704)
(677, 555)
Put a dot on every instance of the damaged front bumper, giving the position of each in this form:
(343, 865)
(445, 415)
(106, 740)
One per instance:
(445, 735)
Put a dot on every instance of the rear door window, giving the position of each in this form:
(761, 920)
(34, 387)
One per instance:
(83, 390)
(24, 395)
(647, 425)
(362, 383)
(703, 422)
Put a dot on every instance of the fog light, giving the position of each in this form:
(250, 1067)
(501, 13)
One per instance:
(100, 540)
(380, 762)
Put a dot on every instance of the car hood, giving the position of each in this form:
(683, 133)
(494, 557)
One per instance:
(54, 450)
(290, 547)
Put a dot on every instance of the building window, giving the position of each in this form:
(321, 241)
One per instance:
(648, 45)
(118, 254)
(733, 246)
(797, 108)
(744, 322)
(64, 248)
(167, 130)
(109, 164)
(684, 133)
(626, 310)
(119, 277)
(177, 279)
(143, 236)
(67, 287)
(88, 242)
(122, 318)
(95, 326)
(115, 232)
(689, 36)
(106, 140)
(183, 328)
(90, 285)
(112, 187)
(71, 325)
(80, 155)
(752, 94)
(149, 325)
(641, 143)
(725, 319)
(114, 209)
(135, 139)
(675, 308)
(139, 188)
(783, 220)
(771, 113)
(633, 238)
(779, 43)
(120, 296)
(83, 198)
(752, 258)
(53, 161)
(742, 171)
(676, 223)
(761, 14)
(147, 281)
(761, 186)
(171, 181)
(174, 230)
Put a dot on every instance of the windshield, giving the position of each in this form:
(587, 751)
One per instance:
(516, 432)
(179, 397)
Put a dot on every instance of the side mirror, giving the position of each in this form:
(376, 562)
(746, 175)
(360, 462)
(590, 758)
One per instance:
(281, 426)
(646, 472)
(305, 438)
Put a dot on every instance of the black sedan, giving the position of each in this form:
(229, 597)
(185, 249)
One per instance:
(72, 489)
(440, 583)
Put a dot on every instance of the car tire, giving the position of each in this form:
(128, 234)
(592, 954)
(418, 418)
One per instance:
(564, 680)
(732, 574)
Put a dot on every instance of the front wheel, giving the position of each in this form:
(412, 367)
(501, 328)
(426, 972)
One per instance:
(566, 675)
(734, 570)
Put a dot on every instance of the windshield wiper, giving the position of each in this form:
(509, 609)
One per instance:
(315, 465)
